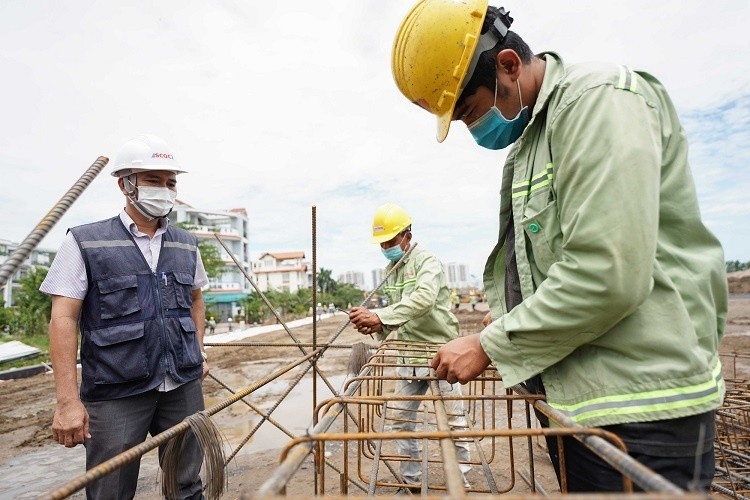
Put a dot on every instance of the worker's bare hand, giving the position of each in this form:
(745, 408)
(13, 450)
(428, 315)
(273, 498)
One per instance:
(365, 321)
(487, 319)
(206, 369)
(461, 360)
(70, 425)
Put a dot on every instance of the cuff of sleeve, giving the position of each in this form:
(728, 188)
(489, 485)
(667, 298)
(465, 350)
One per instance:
(504, 355)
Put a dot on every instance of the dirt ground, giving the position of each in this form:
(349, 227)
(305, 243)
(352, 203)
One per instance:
(27, 406)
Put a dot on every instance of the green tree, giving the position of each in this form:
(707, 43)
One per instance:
(346, 294)
(254, 308)
(34, 307)
(736, 265)
(7, 317)
(211, 258)
(326, 283)
(210, 253)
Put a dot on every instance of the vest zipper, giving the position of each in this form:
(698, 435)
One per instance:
(160, 312)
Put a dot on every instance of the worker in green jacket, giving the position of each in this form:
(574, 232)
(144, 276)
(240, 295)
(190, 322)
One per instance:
(418, 311)
(606, 290)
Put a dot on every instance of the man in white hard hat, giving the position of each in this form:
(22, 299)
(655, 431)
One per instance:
(131, 284)
(419, 312)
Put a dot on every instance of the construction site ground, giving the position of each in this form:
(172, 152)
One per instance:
(32, 464)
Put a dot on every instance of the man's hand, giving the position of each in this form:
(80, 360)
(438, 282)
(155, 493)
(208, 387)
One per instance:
(461, 360)
(487, 320)
(365, 321)
(206, 369)
(70, 425)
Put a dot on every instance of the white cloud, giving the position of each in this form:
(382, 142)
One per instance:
(275, 107)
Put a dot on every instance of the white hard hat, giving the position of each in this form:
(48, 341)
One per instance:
(145, 152)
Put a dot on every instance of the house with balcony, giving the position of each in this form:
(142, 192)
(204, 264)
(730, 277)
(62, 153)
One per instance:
(225, 292)
(282, 271)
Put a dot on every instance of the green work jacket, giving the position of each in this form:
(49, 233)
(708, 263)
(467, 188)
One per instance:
(418, 299)
(624, 289)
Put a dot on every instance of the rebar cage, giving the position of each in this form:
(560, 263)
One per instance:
(354, 439)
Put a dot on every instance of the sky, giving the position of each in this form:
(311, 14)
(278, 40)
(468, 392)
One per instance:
(278, 106)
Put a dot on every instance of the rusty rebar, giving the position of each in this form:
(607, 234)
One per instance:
(31, 241)
(278, 480)
(453, 477)
(137, 451)
(616, 458)
(315, 321)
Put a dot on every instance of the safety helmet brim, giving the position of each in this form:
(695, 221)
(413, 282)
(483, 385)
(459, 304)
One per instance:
(432, 52)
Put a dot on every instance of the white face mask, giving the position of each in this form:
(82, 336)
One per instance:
(155, 201)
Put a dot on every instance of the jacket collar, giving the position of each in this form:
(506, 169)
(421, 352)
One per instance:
(554, 72)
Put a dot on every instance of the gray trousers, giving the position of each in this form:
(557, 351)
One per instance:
(405, 415)
(119, 424)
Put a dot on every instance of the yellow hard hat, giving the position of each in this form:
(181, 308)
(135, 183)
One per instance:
(389, 220)
(433, 50)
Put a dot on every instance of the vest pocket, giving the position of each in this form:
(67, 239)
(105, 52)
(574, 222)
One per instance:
(120, 354)
(190, 354)
(543, 232)
(184, 289)
(118, 296)
(177, 291)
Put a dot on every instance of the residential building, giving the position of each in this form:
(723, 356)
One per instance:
(377, 277)
(457, 275)
(355, 278)
(226, 292)
(37, 257)
(283, 271)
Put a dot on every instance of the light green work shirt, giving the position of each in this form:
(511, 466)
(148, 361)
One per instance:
(418, 298)
(624, 288)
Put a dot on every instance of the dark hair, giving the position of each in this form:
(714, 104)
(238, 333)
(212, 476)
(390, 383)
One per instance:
(484, 73)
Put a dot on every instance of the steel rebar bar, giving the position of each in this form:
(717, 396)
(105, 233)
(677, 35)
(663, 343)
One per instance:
(29, 243)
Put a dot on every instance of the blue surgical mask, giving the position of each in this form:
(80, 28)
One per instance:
(393, 254)
(493, 131)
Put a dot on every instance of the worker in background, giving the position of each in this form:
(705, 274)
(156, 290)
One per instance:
(621, 287)
(132, 284)
(419, 310)
(455, 301)
(473, 300)
(211, 325)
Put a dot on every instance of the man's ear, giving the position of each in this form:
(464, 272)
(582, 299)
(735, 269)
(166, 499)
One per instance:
(508, 63)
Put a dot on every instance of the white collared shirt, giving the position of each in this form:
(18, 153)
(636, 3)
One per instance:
(67, 275)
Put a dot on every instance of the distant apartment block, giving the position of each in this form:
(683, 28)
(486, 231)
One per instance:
(377, 277)
(355, 278)
(38, 257)
(225, 292)
(457, 275)
(282, 271)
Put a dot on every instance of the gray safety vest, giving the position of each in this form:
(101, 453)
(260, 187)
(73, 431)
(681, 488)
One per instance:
(136, 325)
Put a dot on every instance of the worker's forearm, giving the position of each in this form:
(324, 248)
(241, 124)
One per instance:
(63, 333)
